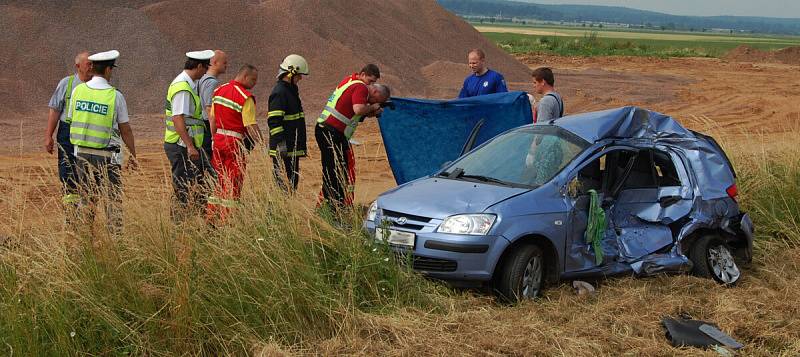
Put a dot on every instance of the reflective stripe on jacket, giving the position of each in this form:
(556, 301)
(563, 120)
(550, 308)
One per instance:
(228, 102)
(334, 118)
(286, 120)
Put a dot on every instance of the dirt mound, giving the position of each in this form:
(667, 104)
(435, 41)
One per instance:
(744, 53)
(402, 37)
(747, 53)
(789, 55)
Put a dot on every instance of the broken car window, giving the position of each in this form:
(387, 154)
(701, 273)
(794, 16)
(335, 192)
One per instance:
(526, 157)
(666, 174)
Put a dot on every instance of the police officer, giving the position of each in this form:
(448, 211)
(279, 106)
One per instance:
(286, 121)
(184, 132)
(99, 124)
(59, 108)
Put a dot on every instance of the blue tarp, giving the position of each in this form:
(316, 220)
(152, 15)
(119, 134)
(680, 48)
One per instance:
(420, 135)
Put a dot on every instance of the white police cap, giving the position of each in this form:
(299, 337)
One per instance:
(104, 56)
(204, 55)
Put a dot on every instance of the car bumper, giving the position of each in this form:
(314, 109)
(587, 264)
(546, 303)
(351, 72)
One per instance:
(452, 257)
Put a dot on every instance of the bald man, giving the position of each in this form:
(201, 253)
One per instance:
(59, 105)
(206, 86)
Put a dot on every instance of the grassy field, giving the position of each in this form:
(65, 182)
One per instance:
(574, 41)
(282, 279)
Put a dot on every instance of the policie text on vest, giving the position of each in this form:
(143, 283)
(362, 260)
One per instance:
(91, 107)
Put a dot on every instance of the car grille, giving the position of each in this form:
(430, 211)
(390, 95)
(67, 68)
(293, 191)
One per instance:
(428, 264)
(414, 222)
(411, 217)
(434, 264)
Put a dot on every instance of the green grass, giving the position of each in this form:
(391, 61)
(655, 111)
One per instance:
(591, 42)
(593, 45)
(644, 34)
(770, 186)
(278, 273)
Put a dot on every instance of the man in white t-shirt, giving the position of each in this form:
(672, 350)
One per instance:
(99, 126)
(184, 134)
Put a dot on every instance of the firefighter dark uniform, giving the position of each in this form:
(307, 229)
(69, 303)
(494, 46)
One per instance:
(287, 126)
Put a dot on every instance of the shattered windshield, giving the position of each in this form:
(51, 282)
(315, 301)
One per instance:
(525, 157)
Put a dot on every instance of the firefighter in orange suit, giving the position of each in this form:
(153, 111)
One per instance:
(234, 108)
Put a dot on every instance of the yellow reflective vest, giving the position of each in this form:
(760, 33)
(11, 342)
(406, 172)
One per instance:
(330, 112)
(92, 116)
(194, 124)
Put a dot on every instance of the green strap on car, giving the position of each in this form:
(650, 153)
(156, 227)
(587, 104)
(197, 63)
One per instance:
(596, 226)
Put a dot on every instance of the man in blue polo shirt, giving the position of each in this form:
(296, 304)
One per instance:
(482, 80)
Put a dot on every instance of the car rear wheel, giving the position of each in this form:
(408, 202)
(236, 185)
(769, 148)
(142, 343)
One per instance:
(522, 274)
(712, 258)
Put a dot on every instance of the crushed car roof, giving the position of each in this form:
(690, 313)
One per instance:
(625, 122)
(711, 168)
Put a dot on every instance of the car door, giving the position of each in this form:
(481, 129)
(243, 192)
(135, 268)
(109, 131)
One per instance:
(648, 197)
(595, 173)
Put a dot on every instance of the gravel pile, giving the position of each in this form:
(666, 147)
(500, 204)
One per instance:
(40, 39)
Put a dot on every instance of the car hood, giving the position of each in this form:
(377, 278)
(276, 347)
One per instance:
(436, 197)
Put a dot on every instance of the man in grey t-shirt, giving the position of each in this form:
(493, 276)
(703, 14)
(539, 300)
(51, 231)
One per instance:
(205, 88)
(57, 118)
(551, 106)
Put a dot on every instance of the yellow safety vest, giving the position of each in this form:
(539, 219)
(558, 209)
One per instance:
(194, 124)
(92, 116)
(330, 110)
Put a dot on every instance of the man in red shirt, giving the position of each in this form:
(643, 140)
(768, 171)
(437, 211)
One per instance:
(355, 98)
(234, 110)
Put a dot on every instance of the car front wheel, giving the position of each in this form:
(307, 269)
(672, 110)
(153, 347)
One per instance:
(712, 258)
(522, 274)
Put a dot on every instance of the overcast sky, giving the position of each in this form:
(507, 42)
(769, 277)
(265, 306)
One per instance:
(768, 8)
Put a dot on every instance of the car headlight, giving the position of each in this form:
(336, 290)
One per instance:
(473, 224)
(373, 211)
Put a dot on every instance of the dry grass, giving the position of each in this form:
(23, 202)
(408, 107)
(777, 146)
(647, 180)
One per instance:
(281, 281)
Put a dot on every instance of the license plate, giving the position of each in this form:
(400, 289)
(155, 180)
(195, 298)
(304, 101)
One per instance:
(392, 236)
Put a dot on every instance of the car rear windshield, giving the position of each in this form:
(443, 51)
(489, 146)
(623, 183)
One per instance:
(524, 157)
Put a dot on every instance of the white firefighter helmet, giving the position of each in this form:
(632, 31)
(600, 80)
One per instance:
(294, 64)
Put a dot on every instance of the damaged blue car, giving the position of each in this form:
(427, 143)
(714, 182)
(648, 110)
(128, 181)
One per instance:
(590, 195)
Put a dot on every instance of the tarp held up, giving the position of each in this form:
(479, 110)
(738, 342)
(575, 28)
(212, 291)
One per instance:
(420, 135)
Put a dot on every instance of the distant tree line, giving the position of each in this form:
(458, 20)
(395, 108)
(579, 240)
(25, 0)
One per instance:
(621, 15)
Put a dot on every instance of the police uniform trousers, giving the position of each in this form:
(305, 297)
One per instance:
(187, 178)
(334, 149)
(208, 148)
(99, 177)
(67, 165)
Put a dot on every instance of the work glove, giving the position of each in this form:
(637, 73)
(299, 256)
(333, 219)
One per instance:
(281, 149)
